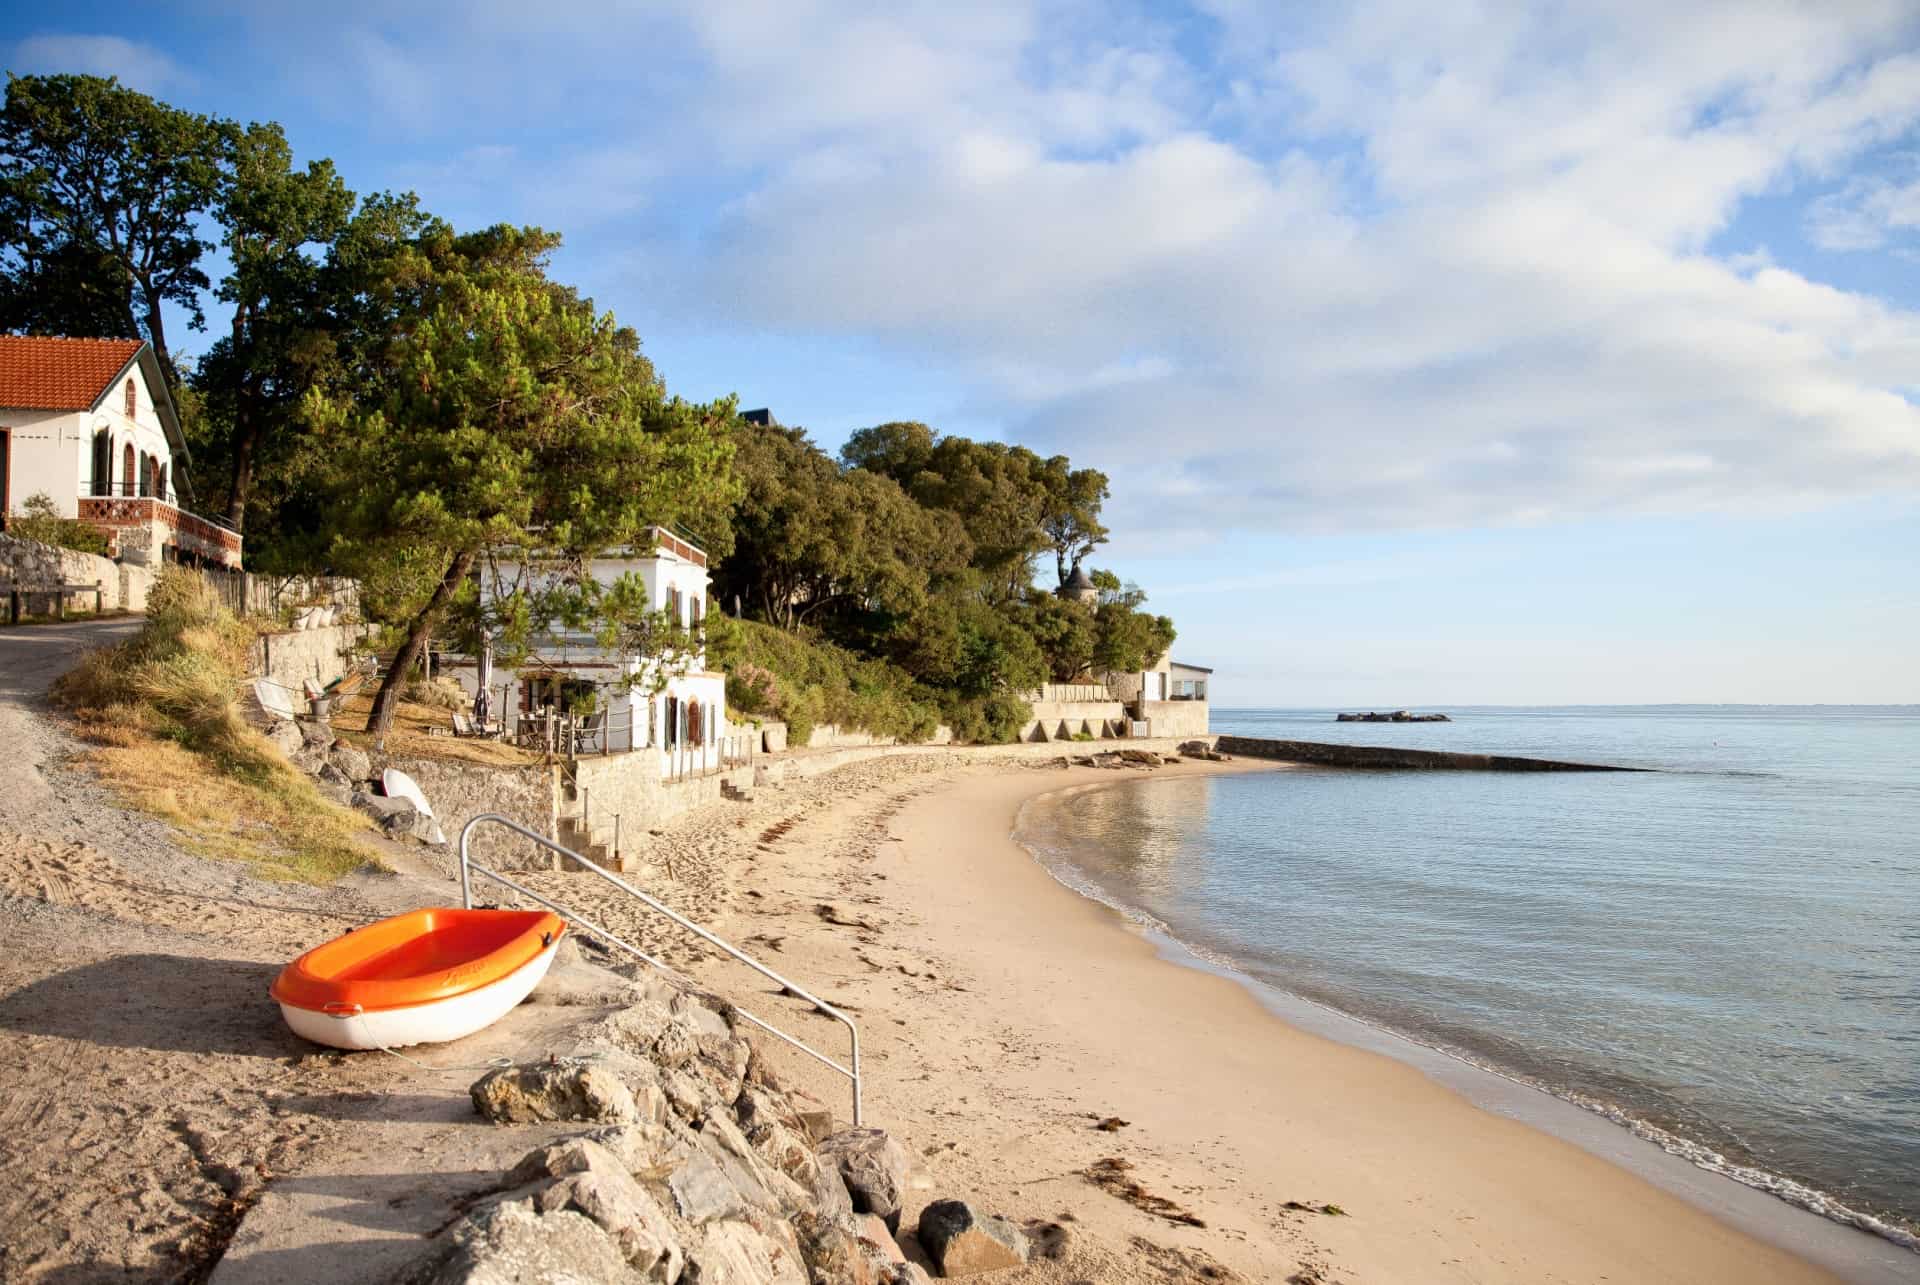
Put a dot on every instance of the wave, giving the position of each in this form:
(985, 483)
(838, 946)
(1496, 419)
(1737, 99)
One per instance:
(1057, 863)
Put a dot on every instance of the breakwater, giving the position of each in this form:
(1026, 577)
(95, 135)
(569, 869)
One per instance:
(1398, 759)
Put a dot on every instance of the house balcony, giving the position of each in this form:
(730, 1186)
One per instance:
(152, 528)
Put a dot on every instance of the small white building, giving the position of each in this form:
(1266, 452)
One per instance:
(670, 705)
(89, 424)
(1172, 698)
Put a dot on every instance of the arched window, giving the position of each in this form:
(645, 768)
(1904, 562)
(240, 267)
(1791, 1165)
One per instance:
(132, 402)
(102, 463)
(146, 475)
(160, 484)
(126, 469)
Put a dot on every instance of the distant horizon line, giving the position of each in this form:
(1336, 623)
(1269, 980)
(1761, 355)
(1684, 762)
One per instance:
(1437, 708)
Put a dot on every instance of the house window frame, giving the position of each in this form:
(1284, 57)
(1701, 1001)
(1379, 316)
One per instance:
(133, 399)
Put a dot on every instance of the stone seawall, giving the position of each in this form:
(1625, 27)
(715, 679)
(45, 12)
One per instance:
(1393, 757)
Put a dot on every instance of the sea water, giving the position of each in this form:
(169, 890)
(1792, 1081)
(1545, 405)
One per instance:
(1723, 954)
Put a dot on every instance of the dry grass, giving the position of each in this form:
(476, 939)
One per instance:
(161, 710)
(424, 731)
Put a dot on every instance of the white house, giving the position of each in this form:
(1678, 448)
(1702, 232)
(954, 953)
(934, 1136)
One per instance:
(89, 424)
(672, 706)
(1169, 696)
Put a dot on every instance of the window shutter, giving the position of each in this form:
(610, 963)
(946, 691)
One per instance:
(131, 399)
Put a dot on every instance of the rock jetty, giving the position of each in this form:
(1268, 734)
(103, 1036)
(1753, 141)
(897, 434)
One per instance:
(1398, 716)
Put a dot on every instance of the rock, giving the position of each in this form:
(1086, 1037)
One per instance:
(873, 1230)
(512, 1243)
(702, 1192)
(875, 1169)
(758, 1182)
(647, 1146)
(354, 764)
(564, 1090)
(315, 734)
(622, 1208)
(737, 1253)
(331, 775)
(962, 1243)
(831, 1199)
(773, 737)
(285, 737)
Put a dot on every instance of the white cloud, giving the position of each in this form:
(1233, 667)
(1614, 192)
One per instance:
(1504, 311)
(1870, 210)
(139, 66)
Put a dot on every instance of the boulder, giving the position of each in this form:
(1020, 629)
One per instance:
(773, 737)
(962, 1243)
(564, 1090)
(331, 775)
(875, 1169)
(511, 1243)
(702, 1192)
(315, 734)
(831, 1199)
(738, 1253)
(285, 737)
(597, 1181)
(354, 764)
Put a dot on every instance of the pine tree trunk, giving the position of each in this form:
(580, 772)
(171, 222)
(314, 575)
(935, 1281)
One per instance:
(387, 702)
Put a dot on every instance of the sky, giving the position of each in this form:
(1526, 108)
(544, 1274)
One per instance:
(1477, 353)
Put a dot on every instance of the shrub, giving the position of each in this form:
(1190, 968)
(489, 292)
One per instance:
(36, 519)
(162, 707)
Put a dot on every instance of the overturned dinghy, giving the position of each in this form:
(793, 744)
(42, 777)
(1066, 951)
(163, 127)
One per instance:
(420, 978)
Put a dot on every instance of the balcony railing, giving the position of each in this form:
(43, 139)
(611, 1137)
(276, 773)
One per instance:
(134, 491)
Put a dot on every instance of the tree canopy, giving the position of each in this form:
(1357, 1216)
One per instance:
(101, 193)
(502, 411)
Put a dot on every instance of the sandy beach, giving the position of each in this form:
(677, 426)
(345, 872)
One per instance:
(1005, 1016)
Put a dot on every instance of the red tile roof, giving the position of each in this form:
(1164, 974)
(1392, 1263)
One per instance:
(43, 373)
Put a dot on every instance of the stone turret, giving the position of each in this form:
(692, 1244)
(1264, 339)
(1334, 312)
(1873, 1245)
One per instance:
(1079, 588)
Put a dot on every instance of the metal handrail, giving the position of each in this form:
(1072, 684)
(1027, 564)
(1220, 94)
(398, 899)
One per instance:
(468, 865)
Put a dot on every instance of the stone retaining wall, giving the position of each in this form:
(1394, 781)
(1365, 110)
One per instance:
(458, 792)
(28, 563)
(1175, 718)
(1393, 757)
(320, 654)
(1063, 720)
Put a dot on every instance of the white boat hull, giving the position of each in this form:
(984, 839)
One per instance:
(433, 1023)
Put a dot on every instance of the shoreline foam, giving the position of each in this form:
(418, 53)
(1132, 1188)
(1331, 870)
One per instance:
(1366, 1033)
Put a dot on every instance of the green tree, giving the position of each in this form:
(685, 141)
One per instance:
(503, 412)
(812, 539)
(1071, 518)
(277, 221)
(101, 191)
(1125, 637)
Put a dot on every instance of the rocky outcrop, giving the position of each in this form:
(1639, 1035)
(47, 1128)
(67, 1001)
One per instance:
(695, 1166)
(964, 1243)
(1398, 716)
(560, 1090)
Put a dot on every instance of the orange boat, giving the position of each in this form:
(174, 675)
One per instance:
(420, 978)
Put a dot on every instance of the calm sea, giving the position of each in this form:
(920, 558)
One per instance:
(1723, 955)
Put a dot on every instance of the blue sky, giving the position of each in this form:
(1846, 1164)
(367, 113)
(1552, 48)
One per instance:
(1484, 353)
